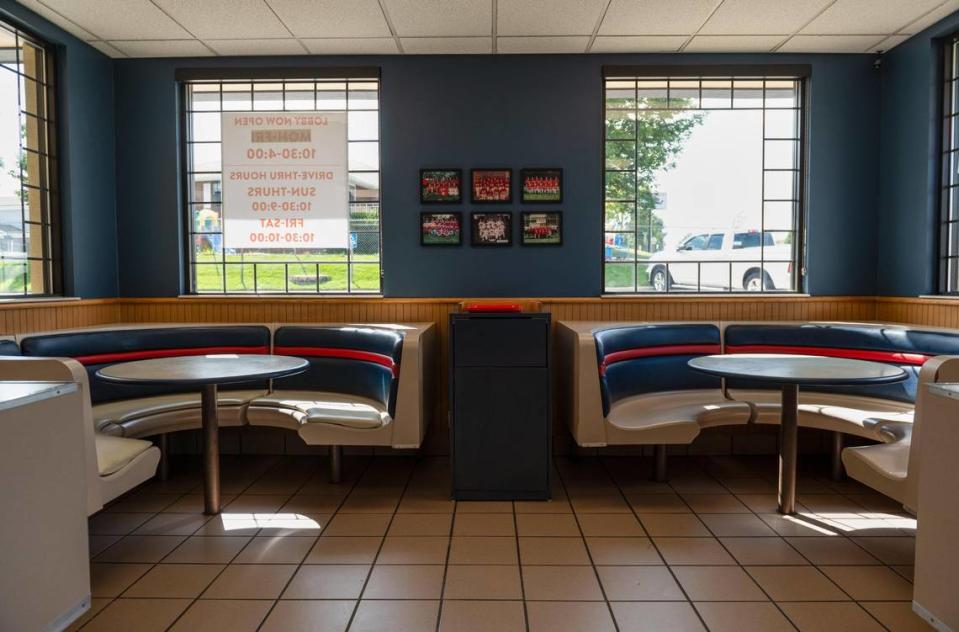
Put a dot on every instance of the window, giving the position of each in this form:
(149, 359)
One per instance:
(949, 222)
(29, 241)
(213, 268)
(703, 180)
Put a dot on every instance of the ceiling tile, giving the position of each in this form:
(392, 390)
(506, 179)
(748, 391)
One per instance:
(734, 43)
(43, 10)
(225, 19)
(638, 44)
(250, 46)
(830, 43)
(548, 44)
(119, 19)
(656, 17)
(851, 17)
(447, 45)
(931, 18)
(415, 18)
(548, 17)
(889, 43)
(332, 18)
(106, 49)
(352, 46)
(756, 17)
(161, 48)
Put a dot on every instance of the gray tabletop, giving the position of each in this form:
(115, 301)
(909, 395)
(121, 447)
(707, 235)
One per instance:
(204, 369)
(798, 369)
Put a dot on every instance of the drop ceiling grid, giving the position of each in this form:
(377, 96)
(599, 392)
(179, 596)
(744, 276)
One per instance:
(140, 28)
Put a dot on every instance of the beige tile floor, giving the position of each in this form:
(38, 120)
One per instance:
(388, 550)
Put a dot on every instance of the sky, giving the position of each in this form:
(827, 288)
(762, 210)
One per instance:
(717, 181)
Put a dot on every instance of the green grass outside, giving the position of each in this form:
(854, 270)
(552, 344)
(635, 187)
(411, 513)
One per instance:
(271, 276)
(619, 276)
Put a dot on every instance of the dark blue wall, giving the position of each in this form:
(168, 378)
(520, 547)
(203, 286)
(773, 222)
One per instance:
(909, 202)
(472, 111)
(87, 179)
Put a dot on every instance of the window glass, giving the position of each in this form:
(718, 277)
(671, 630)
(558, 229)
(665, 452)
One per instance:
(949, 180)
(216, 269)
(29, 262)
(703, 184)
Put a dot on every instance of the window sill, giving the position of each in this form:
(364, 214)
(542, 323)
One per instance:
(273, 297)
(7, 300)
(708, 295)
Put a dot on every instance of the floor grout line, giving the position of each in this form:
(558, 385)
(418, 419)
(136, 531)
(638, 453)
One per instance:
(581, 483)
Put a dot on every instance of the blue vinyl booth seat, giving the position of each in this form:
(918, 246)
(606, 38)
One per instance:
(860, 410)
(142, 411)
(9, 348)
(352, 382)
(353, 393)
(645, 393)
(649, 394)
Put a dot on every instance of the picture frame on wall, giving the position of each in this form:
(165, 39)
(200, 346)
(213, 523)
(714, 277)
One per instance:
(541, 228)
(491, 186)
(441, 229)
(541, 186)
(491, 229)
(441, 186)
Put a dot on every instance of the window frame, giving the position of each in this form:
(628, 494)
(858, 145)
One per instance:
(357, 74)
(51, 256)
(948, 120)
(802, 74)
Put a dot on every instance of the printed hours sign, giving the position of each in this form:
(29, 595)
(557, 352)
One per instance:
(285, 180)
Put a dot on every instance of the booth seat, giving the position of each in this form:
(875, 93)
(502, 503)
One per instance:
(631, 384)
(151, 410)
(353, 393)
(114, 465)
(892, 466)
(601, 412)
(366, 385)
(866, 411)
(860, 410)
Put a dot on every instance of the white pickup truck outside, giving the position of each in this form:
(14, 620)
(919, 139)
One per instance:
(724, 260)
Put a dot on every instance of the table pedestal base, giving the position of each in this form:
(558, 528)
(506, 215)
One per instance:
(788, 447)
(211, 451)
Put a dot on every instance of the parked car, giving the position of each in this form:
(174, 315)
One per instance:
(724, 260)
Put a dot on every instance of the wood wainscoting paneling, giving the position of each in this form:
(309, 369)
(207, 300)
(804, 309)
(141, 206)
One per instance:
(929, 311)
(24, 316)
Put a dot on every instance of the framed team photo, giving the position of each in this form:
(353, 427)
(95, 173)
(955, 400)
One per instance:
(542, 185)
(491, 186)
(441, 186)
(441, 229)
(491, 229)
(542, 228)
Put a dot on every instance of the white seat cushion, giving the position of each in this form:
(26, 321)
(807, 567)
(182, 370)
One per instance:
(114, 453)
(675, 416)
(124, 410)
(147, 416)
(292, 408)
(884, 466)
(850, 414)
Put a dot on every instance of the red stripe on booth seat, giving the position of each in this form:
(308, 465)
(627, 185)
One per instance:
(650, 352)
(893, 357)
(148, 354)
(334, 352)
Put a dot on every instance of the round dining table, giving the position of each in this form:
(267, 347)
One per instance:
(789, 372)
(206, 373)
